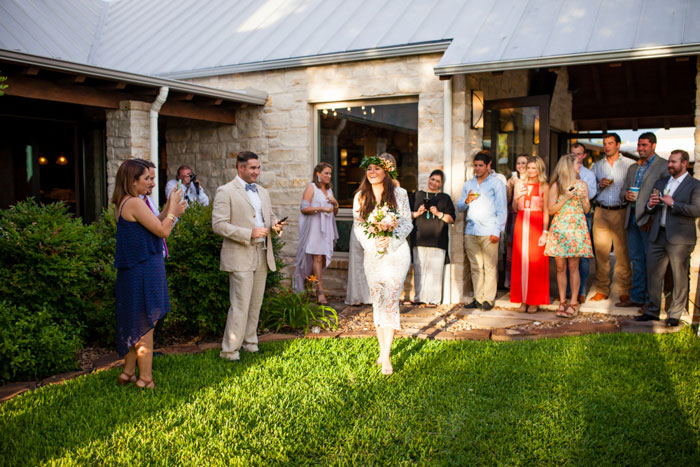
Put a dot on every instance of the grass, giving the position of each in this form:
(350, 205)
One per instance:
(615, 399)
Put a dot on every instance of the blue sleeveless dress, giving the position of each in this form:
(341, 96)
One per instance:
(141, 289)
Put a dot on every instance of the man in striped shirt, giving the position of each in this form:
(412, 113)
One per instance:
(609, 221)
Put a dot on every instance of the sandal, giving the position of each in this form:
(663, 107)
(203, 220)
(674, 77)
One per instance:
(126, 378)
(573, 307)
(322, 299)
(523, 308)
(561, 311)
(533, 309)
(430, 305)
(146, 384)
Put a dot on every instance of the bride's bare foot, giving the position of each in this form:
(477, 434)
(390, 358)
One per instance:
(322, 299)
(387, 369)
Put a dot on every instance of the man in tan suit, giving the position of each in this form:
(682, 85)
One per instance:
(243, 216)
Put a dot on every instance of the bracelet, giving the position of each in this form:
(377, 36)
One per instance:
(443, 215)
(172, 218)
(545, 231)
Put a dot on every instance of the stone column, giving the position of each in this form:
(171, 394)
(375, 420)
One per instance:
(694, 311)
(127, 137)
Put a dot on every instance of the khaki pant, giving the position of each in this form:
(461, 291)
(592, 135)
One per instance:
(609, 232)
(483, 262)
(246, 291)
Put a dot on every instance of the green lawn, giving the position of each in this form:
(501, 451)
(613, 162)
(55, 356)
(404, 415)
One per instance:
(615, 399)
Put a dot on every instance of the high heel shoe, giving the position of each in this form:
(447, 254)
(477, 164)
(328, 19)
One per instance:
(146, 384)
(126, 378)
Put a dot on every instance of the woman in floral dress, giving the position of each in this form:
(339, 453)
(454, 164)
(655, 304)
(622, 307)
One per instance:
(568, 238)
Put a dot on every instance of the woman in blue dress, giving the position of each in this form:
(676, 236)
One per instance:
(141, 288)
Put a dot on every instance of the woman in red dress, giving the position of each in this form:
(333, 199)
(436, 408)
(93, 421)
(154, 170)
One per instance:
(529, 278)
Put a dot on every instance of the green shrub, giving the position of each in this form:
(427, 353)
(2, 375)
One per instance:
(296, 310)
(33, 344)
(51, 259)
(199, 291)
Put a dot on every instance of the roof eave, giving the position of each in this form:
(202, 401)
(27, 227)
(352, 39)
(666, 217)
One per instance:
(247, 96)
(572, 59)
(315, 60)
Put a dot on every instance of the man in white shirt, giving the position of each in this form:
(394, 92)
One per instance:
(609, 221)
(674, 205)
(192, 191)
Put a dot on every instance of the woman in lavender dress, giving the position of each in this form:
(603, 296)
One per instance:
(317, 230)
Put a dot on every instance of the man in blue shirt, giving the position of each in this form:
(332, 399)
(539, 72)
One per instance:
(484, 199)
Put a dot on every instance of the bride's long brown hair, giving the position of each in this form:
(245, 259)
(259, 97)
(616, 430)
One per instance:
(367, 201)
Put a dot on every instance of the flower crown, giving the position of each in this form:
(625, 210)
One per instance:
(387, 166)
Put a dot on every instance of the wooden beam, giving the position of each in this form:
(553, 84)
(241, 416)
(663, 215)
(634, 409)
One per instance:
(595, 75)
(113, 86)
(198, 112)
(663, 77)
(23, 86)
(629, 79)
(181, 97)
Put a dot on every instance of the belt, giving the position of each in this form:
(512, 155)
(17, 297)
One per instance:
(612, 208)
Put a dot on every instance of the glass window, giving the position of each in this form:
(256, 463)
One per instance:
(348, 133)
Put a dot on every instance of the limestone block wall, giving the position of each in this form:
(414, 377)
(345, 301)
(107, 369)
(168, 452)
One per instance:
(128, 136)
(283, 131)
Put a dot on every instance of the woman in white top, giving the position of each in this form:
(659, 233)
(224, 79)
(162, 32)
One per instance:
(387, 259)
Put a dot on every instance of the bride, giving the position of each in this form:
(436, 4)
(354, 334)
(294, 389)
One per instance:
(387, 259)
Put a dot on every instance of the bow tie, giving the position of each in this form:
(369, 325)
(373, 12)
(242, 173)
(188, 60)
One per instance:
(251, 187)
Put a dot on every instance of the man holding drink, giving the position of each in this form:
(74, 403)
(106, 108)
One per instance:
(609, 220)
(639, 182)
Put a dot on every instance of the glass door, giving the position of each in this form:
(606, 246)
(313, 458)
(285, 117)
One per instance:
(516, 126)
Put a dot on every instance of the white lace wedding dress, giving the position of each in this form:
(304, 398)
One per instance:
(386, 272)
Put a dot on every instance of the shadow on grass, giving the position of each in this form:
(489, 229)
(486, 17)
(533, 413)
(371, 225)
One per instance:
(585, 400)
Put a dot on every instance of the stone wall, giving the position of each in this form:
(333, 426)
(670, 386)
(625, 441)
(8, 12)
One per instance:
(128, 136)
(283, 132)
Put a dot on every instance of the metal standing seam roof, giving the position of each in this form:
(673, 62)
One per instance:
(190, 38)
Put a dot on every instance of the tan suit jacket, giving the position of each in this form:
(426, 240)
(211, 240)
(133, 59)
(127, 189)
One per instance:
(233, 218)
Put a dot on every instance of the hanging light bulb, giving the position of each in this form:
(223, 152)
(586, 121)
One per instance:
(62, 160)
(43, 160)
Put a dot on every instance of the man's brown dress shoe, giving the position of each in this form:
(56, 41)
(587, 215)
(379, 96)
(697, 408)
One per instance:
(598, 297)
(625, 302)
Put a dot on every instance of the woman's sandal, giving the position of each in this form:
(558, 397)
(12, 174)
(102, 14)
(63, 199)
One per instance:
(523, 308)
(146, 384)
(533, 309)
(126, 378)
(561, 311)
(574, 310)
(322, 299)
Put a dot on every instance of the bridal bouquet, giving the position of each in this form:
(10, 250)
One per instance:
(381, 222)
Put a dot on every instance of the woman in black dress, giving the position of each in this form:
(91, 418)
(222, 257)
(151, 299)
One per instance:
(433, 212)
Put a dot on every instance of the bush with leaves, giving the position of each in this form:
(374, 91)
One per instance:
(296, 310)
(51, 258)
(34, 343)
(199, 291)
